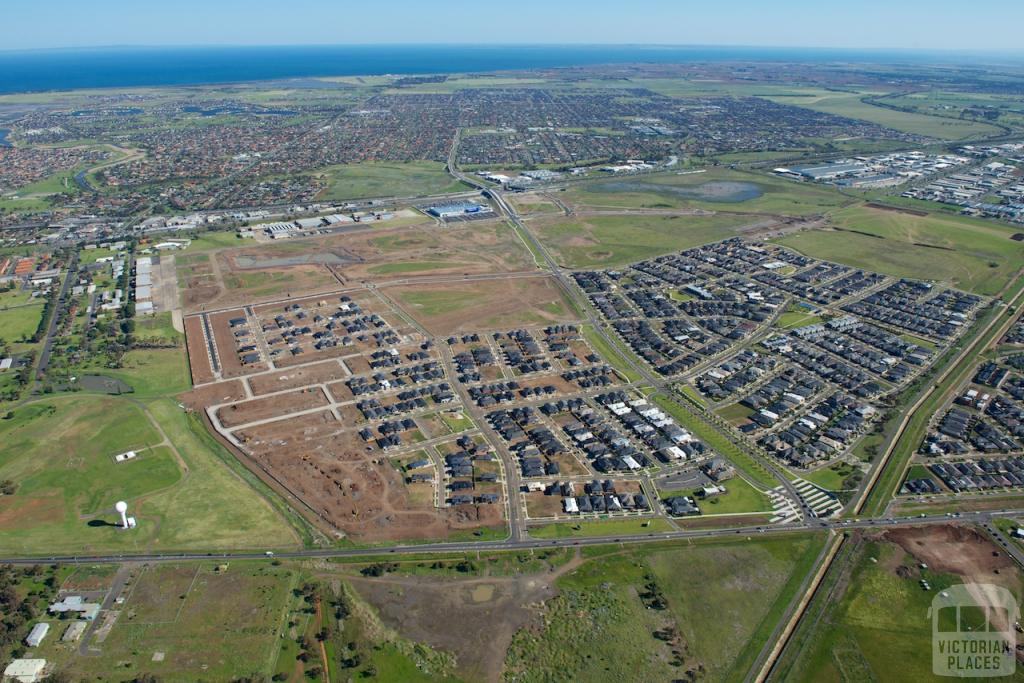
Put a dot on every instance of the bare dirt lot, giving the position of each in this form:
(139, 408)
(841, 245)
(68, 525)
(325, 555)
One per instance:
(481, 615)
(294, 268)
(318, 373)
(960, 550)
(353, 485)
(198, 355)
(273, 406)
(213, 394)
(453, 307)
(428, 250)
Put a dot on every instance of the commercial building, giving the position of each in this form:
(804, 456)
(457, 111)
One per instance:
(457, 209)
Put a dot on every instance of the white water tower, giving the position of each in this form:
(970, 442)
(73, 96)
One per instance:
(122, 509)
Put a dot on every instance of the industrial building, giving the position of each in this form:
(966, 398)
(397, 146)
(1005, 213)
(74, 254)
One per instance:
(458, 209)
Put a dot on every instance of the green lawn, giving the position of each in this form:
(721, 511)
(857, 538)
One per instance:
(740, 497)
(975, 255)
(608, 241)
(385, 179)
(735, 413)
(456, 422)
(60, 453)
(608, 527)
(154, 372)
(20, 321)
(207, 241)
(830, 477)
(158, 326)
(790, 320)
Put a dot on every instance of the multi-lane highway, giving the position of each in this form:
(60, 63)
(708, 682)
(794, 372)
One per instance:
(981, 518)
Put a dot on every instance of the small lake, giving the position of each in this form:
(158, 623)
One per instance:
(724, 191)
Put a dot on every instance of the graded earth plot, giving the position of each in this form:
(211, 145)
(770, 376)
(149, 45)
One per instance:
(797, 354)
(236, 276)
(334, 400)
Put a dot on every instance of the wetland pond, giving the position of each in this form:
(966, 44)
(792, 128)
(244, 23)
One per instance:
(723, 191)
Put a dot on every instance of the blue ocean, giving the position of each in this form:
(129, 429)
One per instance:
(63, 69)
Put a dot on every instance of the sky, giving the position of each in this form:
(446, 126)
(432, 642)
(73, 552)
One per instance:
(911, 24)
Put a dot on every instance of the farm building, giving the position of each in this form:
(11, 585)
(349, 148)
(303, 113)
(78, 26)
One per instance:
(25, 670)
(37, 634)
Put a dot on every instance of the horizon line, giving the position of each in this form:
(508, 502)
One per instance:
(647, 46)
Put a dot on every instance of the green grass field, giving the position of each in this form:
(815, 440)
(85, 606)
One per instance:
(20, 320)
(876, 627)
(608, 241)
(208, 241)
(456, 423)
(661, 191)
(831, 477)
(622, 613)
(154, 372)
(790, 320)
(209, 624)
(975, 255)
(608, 527)
(850, 105)
(740, 497)
(157, 326)
(735, 413)
(382, 179)
(61, 456)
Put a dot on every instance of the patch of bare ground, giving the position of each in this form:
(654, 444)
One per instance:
(960, 550)
(351, 484)
(480, 616)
